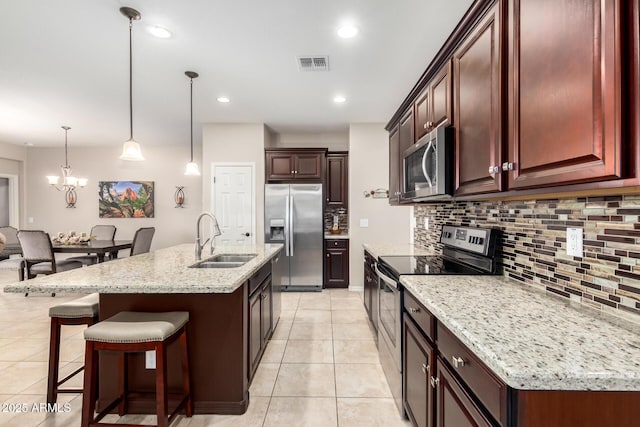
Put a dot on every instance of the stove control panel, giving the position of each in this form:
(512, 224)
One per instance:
(476, 240)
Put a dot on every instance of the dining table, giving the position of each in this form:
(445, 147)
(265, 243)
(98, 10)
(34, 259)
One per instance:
(98, 247)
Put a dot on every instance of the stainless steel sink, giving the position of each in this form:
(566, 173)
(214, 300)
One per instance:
(243, 258)
(213, 264)
(224, 261)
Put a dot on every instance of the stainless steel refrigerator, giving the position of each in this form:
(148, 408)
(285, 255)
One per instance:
(293, 216)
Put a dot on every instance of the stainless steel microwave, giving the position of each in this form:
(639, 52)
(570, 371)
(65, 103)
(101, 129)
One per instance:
(428, 167)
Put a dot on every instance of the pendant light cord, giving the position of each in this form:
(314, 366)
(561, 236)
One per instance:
(191, 110)
(130, 80)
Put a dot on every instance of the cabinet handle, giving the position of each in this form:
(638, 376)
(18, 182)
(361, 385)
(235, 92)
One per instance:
(493, 169)
(335, 243)
(413, 310)
(458, 362)
(434, 382)
(328, 255)
(425, 368)
(327, 199)
(507, 166)
(424, 126)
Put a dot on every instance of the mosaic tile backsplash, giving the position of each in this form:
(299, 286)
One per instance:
(533, 244)
(343, 219)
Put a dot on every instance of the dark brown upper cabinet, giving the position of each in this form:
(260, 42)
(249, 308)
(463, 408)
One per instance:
(298, 164)
(394, 166)
(433, 106)
(477, 95)
(564, 80)
(406, 132)
(337, 180)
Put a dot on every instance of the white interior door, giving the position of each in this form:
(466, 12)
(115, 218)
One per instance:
(233, 203)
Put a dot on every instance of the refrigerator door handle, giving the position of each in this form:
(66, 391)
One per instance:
(287, 231)
(291, 224)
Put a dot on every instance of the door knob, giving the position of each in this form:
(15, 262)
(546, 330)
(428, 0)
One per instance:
(247, 234)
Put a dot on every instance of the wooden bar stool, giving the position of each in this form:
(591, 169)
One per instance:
(82, 311)
(132, 332)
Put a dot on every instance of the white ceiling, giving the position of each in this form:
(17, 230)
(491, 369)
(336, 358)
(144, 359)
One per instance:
(66, 62)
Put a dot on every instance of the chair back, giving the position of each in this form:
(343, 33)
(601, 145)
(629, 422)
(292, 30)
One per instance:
(36, 246)
(103, 232)
(142, 240)
(10, 234)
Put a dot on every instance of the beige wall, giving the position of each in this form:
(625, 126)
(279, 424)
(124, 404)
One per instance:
(13, 162)
(368, 170)
(334, 141)
(235, 143)
(163, 165)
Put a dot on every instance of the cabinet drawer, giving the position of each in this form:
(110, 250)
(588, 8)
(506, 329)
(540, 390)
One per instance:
(420, 315)
(336, 243)
(256, 280)
(488, 389)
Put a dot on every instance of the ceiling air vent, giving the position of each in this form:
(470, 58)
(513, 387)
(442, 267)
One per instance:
(313, 63)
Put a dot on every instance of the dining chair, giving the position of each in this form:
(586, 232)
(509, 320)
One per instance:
(98, 232)
(39, 258)
(142, 240)
(9, 237)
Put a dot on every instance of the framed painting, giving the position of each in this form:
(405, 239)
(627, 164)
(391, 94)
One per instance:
(125, 199)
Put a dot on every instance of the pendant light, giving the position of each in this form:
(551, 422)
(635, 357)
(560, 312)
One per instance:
(69, 182)
(192, 167)
(131, 149)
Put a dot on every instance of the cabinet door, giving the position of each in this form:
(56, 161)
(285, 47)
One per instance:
(423, 115)
(337, 183)
(418, 363)
(476, 107)
(367, 289)
(266, 312)
(279, 166)
(564, 91)
(455, 408)
(255, 331)
(336, 264)
(440, 89)
(406, 131)
(308, 166)
(395, 166)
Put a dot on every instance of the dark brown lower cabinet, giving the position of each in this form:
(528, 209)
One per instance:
(260, 323)
(336, 263)
(455, 407)
(371, 289)
(418, 361)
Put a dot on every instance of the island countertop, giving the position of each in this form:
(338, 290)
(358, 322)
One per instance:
(163, 271)
(530, 339)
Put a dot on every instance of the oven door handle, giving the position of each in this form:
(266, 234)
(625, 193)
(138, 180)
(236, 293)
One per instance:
(388, 280)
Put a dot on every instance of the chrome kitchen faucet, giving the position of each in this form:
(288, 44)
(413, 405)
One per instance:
(216, 232)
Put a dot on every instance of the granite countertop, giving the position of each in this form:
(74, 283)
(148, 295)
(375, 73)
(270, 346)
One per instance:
(162, 271)
(386, 249)
(533, 340)
(329, 236)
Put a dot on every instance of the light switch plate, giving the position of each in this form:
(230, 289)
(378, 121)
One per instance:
(364, 222)
(574, 242)
(30, 220)
(150, 359)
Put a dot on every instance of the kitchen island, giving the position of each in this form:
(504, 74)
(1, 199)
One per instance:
(220, 323)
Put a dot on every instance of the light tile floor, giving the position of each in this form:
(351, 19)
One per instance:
(321, 367)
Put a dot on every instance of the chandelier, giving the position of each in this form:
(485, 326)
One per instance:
(69, 182)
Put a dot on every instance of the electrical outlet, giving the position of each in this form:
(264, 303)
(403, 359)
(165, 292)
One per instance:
(426, 223)
(364, 222)
(574, 242)
(150, 359)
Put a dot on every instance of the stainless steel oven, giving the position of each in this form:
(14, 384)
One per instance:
(428, 166)
(390, 331)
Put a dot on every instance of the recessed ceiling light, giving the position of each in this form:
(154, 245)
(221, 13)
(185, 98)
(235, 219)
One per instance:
(347, 31)
(159, 32)
(223, 99)
(339, 99)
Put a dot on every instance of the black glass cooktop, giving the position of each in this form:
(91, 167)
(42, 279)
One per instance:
(424, 264)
